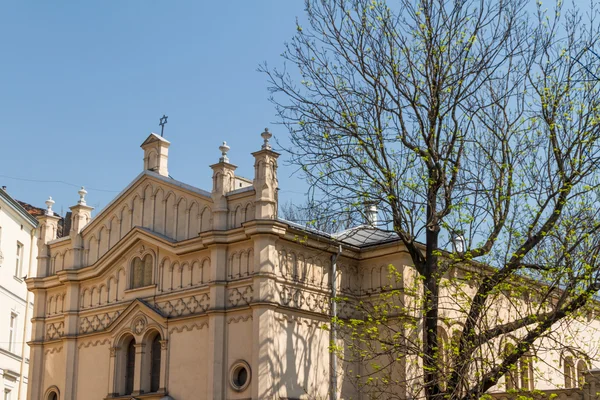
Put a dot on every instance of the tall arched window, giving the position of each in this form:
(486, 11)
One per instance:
(526, 371)
(510, 376)
(443, 356)
(569, 371)
(53, 396)
(581, 370)
(520, 376)
(155, 364)
(129, 366)
(141, 272)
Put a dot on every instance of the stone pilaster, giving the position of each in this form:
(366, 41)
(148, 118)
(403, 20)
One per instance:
(216, 323)
(164, 362)
(263, 317)
(591, 387)
(112, 363)
(70, 338)
(137, 378)
(36, 347)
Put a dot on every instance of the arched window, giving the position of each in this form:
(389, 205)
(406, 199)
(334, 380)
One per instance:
(141, 272)
(510, 377)
(569, 372)
(53, 396)
(581, 370)
(155, 364)
(443, 356)
(520, 375)
(526, 371)
(129, 366)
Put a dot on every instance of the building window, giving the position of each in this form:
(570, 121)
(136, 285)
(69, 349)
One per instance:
(130, 367)
(12, 333)
(19, 262)
(240, 375)
(155, 364)
(581, 370)
(52, 396)
(141, 272)
(520, 376)
(526, 371)
(569, 371)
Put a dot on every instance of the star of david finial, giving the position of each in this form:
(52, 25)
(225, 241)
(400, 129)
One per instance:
(163, 122)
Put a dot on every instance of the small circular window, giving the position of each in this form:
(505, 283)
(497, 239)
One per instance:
(239, 375)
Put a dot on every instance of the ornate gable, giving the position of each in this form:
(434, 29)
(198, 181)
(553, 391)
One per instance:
(158, 204)
(137, 319)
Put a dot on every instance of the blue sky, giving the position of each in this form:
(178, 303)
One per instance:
(84, 83)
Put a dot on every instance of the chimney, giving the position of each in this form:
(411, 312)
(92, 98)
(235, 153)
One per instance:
(371, 214)
(156, 154)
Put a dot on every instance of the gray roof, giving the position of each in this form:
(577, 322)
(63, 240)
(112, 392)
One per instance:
(358, 236)
(366, 235)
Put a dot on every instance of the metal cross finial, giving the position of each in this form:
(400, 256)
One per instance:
(163, 122)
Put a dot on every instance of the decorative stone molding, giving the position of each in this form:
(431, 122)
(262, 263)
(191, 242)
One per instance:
(94, 343)
(302, 299)
(55, 330)
(241, 296)
(97, 323)
(139, 324)
(53, 350)
(197, 304)
(293, 319)
(188, 328)
(241, 318)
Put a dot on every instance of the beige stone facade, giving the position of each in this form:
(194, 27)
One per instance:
(176, 292)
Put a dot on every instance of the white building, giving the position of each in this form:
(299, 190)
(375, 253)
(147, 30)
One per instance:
(18, 253)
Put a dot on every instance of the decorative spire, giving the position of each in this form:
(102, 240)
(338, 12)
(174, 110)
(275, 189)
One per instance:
(266, 135)
(82, 192)
(49, 204)
(163, 122)
(224, 149)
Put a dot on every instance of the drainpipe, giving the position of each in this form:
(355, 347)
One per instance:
(333, 330)
(22, 366)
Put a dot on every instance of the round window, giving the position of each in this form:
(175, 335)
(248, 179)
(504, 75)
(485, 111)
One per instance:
(239, 375)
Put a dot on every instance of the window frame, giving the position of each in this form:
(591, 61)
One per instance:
(141, 271)
(155, 363)
(12, 333)
(129, 373)
(19, 260)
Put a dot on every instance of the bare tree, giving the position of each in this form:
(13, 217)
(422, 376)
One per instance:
(312, 215)
(470, 118)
